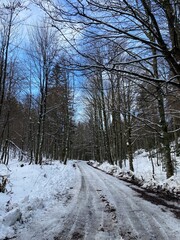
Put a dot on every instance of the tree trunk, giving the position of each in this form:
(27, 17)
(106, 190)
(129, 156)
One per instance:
(165, 135)
(105, 123)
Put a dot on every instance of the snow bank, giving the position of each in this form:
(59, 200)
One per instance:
(30, 190)
(143, 174)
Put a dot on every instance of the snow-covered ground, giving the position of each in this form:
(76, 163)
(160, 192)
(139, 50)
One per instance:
(143, 173)
(31, 191)
(41, 196)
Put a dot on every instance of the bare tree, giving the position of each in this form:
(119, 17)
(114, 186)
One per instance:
(8, 22)
(114, 20)
(59, 112)
(44, 48)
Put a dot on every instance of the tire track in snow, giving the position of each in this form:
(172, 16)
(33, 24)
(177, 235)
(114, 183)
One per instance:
(136, 218)
(105, 227)
(76, 224)
(125, 221)
(105, 208)
(90, 219)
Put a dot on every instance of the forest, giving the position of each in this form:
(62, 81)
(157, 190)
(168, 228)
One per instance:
(122, 59)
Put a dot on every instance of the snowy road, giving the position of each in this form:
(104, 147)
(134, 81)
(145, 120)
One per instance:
(104, 207)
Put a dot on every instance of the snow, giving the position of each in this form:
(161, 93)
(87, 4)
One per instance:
(31, 191)
(143, 173)
(37, 197)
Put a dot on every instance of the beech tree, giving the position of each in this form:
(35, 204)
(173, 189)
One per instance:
(129, 52)
(115, 20)
(8, 24)
(147, 32)
(44, 48)
(96, 111)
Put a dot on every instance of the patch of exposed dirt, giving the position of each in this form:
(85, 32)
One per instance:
(77, 236)
(137, 182)
(166, 201)
(109, 208)
(127, 235)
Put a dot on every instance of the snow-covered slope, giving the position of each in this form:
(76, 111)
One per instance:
(33, 190)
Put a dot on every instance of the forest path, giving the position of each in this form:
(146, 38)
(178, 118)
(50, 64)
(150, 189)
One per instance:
(105, 208)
